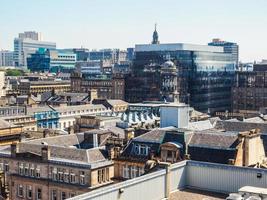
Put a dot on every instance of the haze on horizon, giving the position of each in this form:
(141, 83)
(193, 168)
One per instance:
(123, 23)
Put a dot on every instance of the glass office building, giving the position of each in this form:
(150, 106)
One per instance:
(205, 74)
(44, 60)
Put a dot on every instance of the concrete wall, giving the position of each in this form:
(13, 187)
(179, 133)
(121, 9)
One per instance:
(186, 174)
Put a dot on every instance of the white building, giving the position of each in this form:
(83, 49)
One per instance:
(2, 84)
(6, 58)
(26, 44)
(31, 35)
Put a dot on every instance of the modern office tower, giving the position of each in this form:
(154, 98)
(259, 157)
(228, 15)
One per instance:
(205, 75)
(44, 60)
(6, 58)
(62, 60)
(31, 35)
(81, 54)
(229, 47)
(115, 55)
(24, 46)
(130, 54)
(92, 67)
(39, 61)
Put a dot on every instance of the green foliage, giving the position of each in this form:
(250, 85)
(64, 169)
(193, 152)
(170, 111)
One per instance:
(14, 72)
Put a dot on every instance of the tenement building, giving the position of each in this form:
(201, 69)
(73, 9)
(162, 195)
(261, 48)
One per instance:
(38, 87)
(107, 87)
(55, 168)
(204, 74)
(249, 92)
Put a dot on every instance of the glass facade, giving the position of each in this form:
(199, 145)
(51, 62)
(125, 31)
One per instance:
(39, 62)
(205, 77)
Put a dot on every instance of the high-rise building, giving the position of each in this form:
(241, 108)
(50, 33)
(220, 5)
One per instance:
(228, 47)
(31, 35)
(115, 55)
(44, 60)
(81, 54)
(130, 54)
(6, 58)
(205, 74)
(27, 44)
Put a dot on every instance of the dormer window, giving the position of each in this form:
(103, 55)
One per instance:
(141, 149)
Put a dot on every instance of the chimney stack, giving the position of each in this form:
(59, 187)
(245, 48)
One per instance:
(128, 134)
(46, 153)
(14, 149)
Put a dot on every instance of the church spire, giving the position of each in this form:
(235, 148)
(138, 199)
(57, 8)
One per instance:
(155, 36)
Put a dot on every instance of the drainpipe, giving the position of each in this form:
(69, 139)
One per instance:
(167, 167)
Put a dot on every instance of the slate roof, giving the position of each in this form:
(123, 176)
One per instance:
(200, 125)
(211, 140)
(154, 136)
(240, 126)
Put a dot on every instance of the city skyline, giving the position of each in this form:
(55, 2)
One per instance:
(97, 24)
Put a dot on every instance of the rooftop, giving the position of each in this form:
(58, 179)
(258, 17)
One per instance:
(190, 194)
(177, 47)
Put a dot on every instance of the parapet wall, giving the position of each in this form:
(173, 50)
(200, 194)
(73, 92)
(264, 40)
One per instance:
(186, 174)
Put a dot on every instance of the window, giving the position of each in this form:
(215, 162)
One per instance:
(134, 172)
(72, 177)
(125, 171)
(32, 171)
(20, 190)
(103, 175)
(38, 173)
(39, 194)
(6, 167)
(26, 169)
(60, 176)
(54, 195)
(107, 174)
(136, 149)
(143, 150)
(63, 195)
(54, 174)
(29, 192)
(82, 177)
(72, 194)
(66, 177)
(99, 176)
(21, 168)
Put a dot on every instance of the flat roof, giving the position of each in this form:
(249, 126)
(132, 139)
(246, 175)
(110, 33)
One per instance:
(190, 194)
(177, 47)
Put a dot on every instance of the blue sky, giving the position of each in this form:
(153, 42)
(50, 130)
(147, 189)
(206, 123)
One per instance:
(124, 23)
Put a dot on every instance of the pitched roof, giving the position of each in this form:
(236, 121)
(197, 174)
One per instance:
(211, 140)
(200, 125)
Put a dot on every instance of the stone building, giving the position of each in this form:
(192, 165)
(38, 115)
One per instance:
(250, 89)
(55, 168)
(107, 87)
(9, 132)
(38, 87)
(145, 152)
(27, 122)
